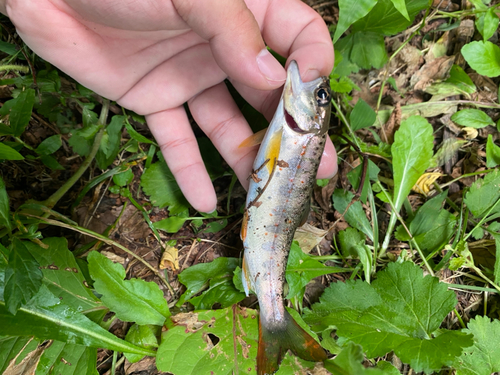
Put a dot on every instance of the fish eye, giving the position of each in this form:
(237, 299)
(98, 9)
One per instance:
(323, 97)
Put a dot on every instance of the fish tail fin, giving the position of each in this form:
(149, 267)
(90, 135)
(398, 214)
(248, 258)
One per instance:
(274, 344)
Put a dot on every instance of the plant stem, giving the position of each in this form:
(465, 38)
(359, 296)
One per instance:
(462, 324)
(19, 68)
(54, 198)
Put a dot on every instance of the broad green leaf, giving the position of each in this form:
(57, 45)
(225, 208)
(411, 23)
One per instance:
(221, 291)
(20, 113)
(401, 7)
(224, 341)
(214, 226)
(46, 317)
(473, 118)
(216, 275)
(145, 303)
(483, 57)
(411, 153)
(400, 311)
(23, 277)
(68, 359)
(302, 268)
(483, 194)
(385, 19)
(461, 79)
(170, 224)
(349, 240)
(62, 275)
(8, 153)
(159, 183)
(362, 115)
(49, 145)
(51, 162)
(144, 336)
(135, 135)
(368, 50)
(350, 12)
(8, 48)
(123, 178)
(4, 207)
(484, 356)
(492, 153)
(355, 215)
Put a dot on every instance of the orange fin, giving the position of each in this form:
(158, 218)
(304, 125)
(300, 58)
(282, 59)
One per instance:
(254, 140)
(274, 344)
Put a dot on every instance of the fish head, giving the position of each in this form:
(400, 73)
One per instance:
(306, 105)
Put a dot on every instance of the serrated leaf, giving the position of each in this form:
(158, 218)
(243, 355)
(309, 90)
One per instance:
(233, 351)
(483, 57)
(355, 215)
(4, 207)
(49, 145)
(159, 183)
(23, 277)
(399, 312)
(46, 317)
(473, 118)
(412, 153)
(301, 269)
(483, 194)
(362, 115)
(492, 153)
(20, 113)
(484, 356)
(350, 12)
(8, 153)
(145, 303)
(216, 275)
(62, 275)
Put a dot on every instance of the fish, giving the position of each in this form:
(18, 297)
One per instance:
(281, 183)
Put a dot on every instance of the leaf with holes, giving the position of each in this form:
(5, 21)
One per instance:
(223, 341)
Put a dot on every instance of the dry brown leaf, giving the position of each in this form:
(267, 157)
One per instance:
(434, 70)
(470, 133)
(28, 364)
(309, 237)
(170, 259)
(113, 257)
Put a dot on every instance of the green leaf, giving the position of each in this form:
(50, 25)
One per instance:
(484, 356)
(224, 341)
(210, 278)
(51, 162)
(400, 311)
(483, 194)
(49, 145)
(364, 48)
(355, 215)
(8, 153)
(301, 269)
(23, 277)
(46, 317)
(473, 118)
(496, 270)
(214, 226)
(401, 7)
(144, 336)
(461, 80)
(62, 274)
(123, 178)
(110, 143)
(20, 113)
(135, 135)
(170, 224)
(8, 48)
(350, 12)
(4, 207)
(483, 57)
(349, 362)
(492, 153)
(487, 23)
(362, 116)
(412, 153)
(349, 240)
(159, 183)
(132, 300)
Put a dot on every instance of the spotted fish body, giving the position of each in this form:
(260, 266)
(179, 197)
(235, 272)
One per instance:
(278, 198)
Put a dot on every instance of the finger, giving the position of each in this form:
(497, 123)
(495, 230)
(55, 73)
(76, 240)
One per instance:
(215, 111)
(175, 81)
(235, 39)
(294, 30)
(328, 166)
(177, 142)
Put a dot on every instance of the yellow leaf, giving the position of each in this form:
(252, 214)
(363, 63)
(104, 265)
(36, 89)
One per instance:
(170, 259)
(470, 133)
(424, 183)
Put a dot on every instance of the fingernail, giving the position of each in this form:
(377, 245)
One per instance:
(270, 67)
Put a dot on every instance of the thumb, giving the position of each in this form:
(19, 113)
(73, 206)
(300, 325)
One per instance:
(235, 40)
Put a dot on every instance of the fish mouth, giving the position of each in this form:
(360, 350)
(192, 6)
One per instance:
(293, 88)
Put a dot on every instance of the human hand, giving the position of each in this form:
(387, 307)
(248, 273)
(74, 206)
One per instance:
(153, 56)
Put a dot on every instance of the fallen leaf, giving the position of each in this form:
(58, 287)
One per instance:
(470, 133)
(309, 237)
(424, 183)
(170, 258)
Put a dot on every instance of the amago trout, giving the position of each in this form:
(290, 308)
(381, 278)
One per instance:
(278, 198)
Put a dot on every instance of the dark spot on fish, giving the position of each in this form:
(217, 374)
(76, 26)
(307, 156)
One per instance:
(282, 163)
